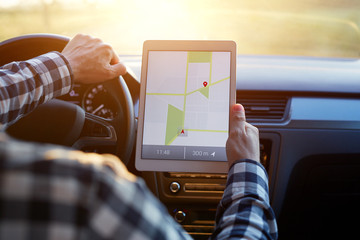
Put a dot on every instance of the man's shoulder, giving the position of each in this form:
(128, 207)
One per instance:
(49, 159)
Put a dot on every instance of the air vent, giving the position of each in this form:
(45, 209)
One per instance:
(260, 108)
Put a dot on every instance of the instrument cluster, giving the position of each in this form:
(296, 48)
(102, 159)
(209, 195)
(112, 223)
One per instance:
(93, 99)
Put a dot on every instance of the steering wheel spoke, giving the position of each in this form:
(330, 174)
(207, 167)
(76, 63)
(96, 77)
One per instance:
(96, 134)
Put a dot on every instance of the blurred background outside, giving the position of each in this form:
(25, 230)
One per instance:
(319, 28)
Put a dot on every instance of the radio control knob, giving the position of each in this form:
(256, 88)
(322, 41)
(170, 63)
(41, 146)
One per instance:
(175, 187)
(180, 216)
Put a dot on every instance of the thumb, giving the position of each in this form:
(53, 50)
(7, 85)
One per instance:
(237, 118)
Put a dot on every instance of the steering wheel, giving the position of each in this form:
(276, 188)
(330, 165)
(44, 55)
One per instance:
(64, 123)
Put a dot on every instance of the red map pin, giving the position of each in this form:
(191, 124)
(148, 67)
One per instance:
(205, 84)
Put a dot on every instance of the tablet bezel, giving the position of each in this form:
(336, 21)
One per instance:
(181, 45)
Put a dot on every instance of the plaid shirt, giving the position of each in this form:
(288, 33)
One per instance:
(50, 192)
(244, 210)
(25, 85)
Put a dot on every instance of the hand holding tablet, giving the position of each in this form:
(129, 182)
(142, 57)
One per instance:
(187, 88)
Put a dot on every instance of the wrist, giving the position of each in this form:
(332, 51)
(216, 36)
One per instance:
(246, 160)
(69, 68)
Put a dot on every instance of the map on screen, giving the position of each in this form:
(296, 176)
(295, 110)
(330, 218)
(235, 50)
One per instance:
(186, 105)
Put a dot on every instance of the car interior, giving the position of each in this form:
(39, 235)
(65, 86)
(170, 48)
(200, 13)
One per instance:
(306, 104)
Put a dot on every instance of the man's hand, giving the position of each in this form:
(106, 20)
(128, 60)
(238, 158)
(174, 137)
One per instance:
(243, 141)
(91, 60)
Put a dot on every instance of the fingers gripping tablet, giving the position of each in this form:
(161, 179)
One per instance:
(187, 88)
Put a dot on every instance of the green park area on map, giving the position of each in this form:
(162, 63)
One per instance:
(174, 121)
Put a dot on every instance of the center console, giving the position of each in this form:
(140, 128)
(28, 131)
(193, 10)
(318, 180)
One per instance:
(192, 198)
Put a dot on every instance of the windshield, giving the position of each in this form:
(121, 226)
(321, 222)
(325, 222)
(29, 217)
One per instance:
(319, 28)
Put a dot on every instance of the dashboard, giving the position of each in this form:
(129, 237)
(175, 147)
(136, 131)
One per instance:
(308, 114)
(94, 99)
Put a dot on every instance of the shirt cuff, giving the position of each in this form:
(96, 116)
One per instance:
(246, 177)
(55, 73)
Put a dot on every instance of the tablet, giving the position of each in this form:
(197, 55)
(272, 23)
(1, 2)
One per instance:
(187, 88)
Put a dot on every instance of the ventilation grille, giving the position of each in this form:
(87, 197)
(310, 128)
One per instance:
(260, 108)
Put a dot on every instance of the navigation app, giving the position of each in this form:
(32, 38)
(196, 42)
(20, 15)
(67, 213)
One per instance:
(186, 105)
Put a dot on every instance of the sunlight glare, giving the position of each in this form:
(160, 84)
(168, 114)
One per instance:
(276, 27)
(9, 3)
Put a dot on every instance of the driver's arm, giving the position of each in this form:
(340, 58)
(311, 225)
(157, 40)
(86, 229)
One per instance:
(244, 211)
(24, 85)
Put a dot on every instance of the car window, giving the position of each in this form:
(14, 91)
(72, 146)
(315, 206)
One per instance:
(319, 28)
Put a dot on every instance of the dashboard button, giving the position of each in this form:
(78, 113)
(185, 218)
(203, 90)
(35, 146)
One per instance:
(175, 187)
(180, 216)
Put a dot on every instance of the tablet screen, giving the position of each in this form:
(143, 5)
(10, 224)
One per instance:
(186, 105)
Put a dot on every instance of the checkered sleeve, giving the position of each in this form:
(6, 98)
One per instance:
(49, 192)
(126, 209)
(24, 85)
(244, 211)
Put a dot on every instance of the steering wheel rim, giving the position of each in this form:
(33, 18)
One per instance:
(123, 125)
